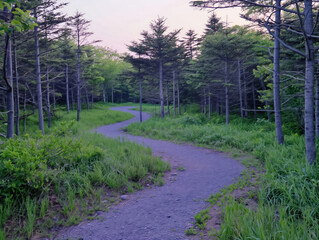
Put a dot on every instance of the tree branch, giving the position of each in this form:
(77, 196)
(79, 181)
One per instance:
(283, 43)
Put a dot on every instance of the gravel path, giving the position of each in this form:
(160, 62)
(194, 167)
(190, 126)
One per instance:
(161, 213)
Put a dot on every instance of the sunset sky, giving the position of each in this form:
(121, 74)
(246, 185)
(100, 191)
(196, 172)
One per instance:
(117, 23)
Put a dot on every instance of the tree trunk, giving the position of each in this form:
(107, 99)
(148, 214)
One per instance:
(112, 93)
(161, 87)
(78, 78)
(54, 97)
(72, 98)
(48, 99)
(254, 99)
(17, 100)
(141, 93)
(245, 95)
(276, 90)
(38, 77)
(67, 87)
(9, 92)
(309, 85)
(317, 107)
(174, 97)
(226, 92)
(209, 106)
(240, 90)
(178, 98)
(167, 98)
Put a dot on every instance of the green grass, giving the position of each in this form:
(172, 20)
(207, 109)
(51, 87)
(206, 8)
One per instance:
(289, 194)
(70, 173)
(89, 119)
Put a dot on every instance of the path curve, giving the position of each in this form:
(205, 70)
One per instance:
(161, 213)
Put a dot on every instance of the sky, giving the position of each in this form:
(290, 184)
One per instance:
(119, 22)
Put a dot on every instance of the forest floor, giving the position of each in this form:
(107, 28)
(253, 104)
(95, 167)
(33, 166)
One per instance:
(163, 212)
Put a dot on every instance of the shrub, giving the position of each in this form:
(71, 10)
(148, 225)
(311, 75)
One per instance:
(28, 164)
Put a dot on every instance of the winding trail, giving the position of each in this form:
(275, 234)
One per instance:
(161, 213)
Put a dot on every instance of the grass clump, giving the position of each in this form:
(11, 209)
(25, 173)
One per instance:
(69, 174)
(288, 196)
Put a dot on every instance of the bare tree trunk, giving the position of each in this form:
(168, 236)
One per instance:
(167, 98)
(174, 96)
(48, 99)
(141, 93)
(17, 100)
(9, 92)
(54, 97)
(78, 93)
(72, 98)
(178, 98)
(161, 87)
(245, 95)
(317, 107)
(277, 102)
(38, 77)
(309, 85)
(78, 78)
(240, 89)
(32, 96)
(67, 87)
(226, 92)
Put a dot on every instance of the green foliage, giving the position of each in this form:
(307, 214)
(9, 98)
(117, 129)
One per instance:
(201, 219)
(70, 165)
(191, 231)
(21, 20)
(289, 197)
(29, 165)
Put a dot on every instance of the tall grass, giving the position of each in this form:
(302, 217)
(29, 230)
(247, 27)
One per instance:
(289, 196)
(63, 174)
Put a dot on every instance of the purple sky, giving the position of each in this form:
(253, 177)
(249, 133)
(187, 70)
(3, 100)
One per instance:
(118, 22)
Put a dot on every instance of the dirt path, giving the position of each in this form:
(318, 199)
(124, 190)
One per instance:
(161, 213)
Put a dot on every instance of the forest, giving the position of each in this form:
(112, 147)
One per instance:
(252, 91)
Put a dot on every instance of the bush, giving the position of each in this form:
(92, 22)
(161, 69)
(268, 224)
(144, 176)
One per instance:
(28, 164)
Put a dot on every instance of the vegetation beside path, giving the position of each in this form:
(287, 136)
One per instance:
(66, 176)
(288, 193)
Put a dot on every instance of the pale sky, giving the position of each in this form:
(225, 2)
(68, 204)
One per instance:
(119, 22)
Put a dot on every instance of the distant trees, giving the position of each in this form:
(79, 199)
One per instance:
(161, 49)
(306, 26)
(40, 64)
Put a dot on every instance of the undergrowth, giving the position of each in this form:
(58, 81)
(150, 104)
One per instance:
(289, 194)
(68, 174)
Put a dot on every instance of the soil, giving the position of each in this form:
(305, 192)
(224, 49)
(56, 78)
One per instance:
(161, 213)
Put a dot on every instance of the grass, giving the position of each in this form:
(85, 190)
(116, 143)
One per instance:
(89, 119)
(288, 196)
(69, 174)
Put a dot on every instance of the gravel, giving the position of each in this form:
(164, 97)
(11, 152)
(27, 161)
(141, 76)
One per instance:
(161, 213)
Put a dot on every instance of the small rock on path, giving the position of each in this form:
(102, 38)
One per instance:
(161, 213)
